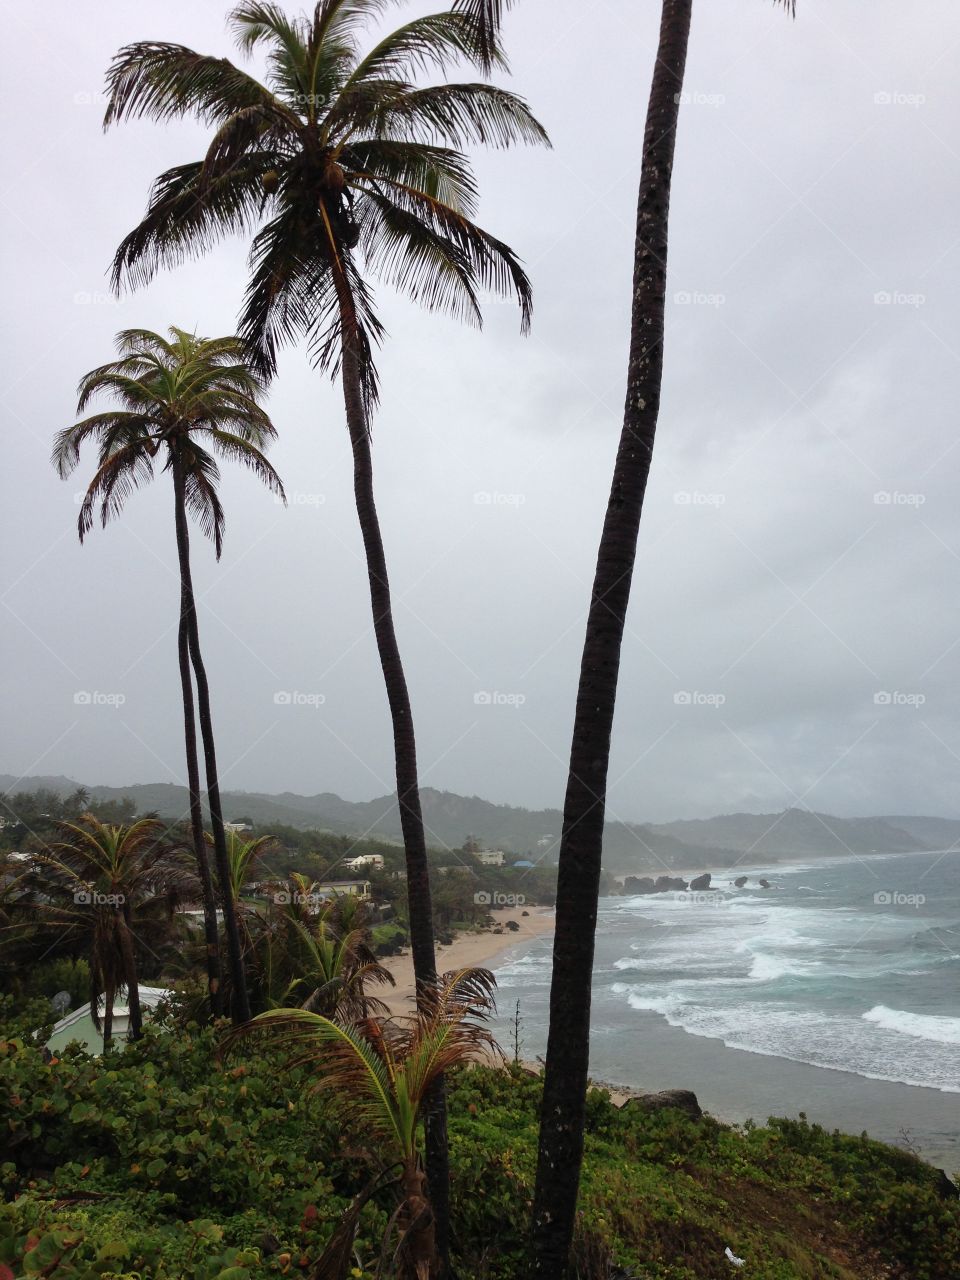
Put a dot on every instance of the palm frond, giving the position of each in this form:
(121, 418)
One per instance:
(118, 475)
(67, 443)
(459, 114)
(436, 41)
(474, 257)
(201, 477)
(165, 81)
(355, 1062)
(191, 209)
(440, 172)
(410, 254)
(485, 17)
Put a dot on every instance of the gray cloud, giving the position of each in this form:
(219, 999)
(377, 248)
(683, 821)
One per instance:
(812, 364)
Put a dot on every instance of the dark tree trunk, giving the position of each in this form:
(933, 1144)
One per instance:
(130, 974)
(240, 1003)
(568, 1045)
(107, 1016)
(210, 933)
(404, 744)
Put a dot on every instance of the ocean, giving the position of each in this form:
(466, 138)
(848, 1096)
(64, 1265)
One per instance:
(850, 965)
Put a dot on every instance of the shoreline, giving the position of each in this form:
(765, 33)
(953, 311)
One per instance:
(733, 1085)
(482, 948)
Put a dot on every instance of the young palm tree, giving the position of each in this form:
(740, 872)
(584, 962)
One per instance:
(243, 860)
(243, 864)
(186, 399)
(327, 967)
(568, 1044)
(340, 163)
(97, 883)
(382, 1071)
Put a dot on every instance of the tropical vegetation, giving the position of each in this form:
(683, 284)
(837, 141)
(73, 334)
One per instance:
(166, 1161)
(311, 1137)
(189, 400)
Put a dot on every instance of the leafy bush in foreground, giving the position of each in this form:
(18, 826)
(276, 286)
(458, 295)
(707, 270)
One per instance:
(159, 1161)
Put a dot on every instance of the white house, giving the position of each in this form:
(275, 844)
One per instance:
(348, 888)
(372, 860)
(491, 857)
(79, 1025)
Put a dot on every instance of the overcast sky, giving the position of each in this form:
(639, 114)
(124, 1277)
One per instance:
(792, 638)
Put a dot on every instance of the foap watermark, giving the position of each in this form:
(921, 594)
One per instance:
(697, 98)
(696, 898)
(898, 98)
(95, 698)
(694, 698)
(695, 498)
(694, 298)
(895, 498)
(896, 698)
(94, 298)
(298, 498)
(90, 98)
(294, 698)
(93, 898)
(898, 298)
(283, 898)
(494, 698)
(496, 898)
(493, 498)
(894, 898)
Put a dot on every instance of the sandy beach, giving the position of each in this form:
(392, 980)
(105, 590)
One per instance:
(479, 949)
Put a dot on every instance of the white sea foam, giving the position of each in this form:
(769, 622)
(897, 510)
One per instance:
(923, 1026)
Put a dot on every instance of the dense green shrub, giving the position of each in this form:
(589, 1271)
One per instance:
(160, 1161)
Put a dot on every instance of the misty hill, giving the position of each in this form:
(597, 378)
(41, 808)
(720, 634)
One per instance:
(936, 833)
(449, 819)
(799, 831)
(707, 844)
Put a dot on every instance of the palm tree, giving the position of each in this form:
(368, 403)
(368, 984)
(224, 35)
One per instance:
(243, 863)
(97, 884)
(568, 1044)
(382, 1071)
(338, 153)
(187, 399)
(325, 964)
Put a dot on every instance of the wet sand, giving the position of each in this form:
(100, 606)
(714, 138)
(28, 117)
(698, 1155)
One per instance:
(468, 950)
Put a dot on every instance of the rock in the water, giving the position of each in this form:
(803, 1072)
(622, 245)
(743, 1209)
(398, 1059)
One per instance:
(740, 881)
(663, 884)
(638, 884)
(681, 1099)
(701, 882)
(764, 884)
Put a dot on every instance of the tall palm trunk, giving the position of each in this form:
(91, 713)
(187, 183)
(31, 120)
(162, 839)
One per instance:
(130, 973)
(108, 1015)
(568, 1045)
(210, 932)
(404, 741)
(241, 1004)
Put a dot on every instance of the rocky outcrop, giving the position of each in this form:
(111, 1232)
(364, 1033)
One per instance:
(701, 882)
(764, 884)
(646, 884)
(740, 881)
(638, 884)
(679, 1099)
